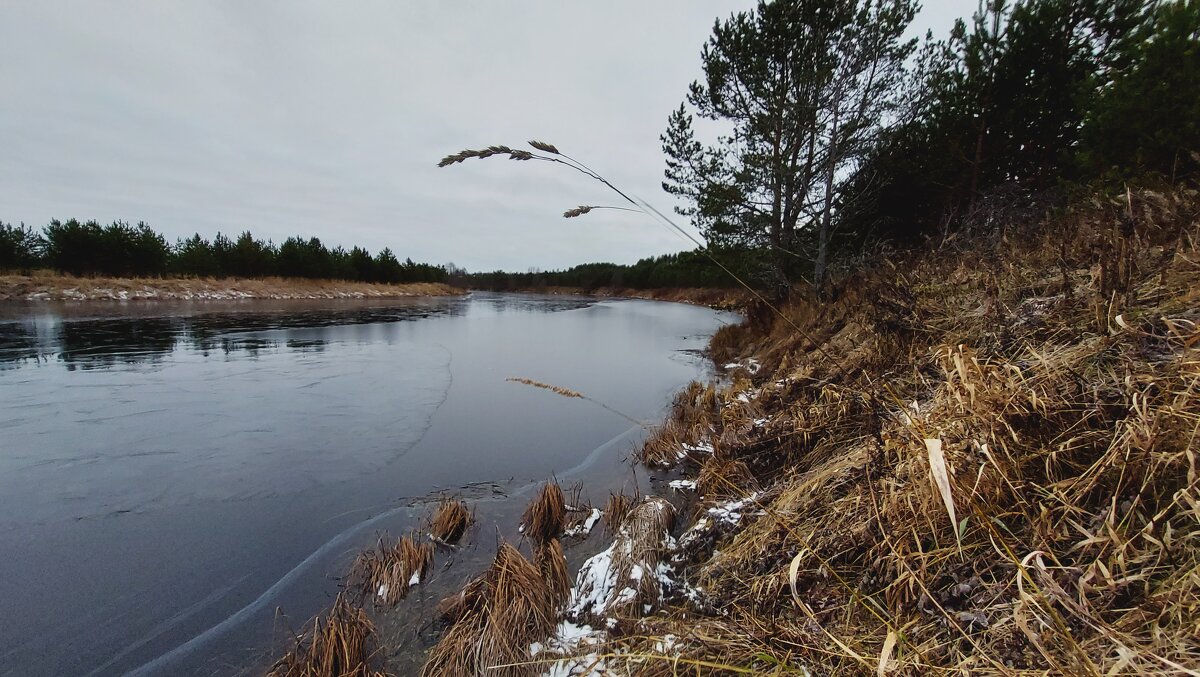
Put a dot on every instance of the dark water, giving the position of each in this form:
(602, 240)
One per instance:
(172, 476)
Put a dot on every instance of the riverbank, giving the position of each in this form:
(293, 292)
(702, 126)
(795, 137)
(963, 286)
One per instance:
(720, 299)
(951, 466)
(51, 287)
(954, 465)
(977, 457)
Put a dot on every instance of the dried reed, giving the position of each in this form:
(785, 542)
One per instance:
(997, 476)
(495, 620)
(567, 392)
(338, 645)
(615, 511)
(450, 521)
(553, 564)
(556, 156)
(386, 572)
(546, 514)
(558, 390)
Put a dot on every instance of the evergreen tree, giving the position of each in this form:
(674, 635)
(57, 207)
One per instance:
(803, 85)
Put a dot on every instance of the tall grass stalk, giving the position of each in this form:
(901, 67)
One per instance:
(550, 153)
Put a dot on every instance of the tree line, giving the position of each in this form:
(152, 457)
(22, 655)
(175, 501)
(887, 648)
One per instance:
(845, 133)
(123, 250)
(685, 269)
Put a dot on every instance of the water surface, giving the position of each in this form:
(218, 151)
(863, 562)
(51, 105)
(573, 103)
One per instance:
(174, 474)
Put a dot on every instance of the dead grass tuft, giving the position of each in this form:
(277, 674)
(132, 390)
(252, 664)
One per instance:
(338, 645)
(615, 511)
(546, 515)
(386, 572)
(450, 522)
(723, 479)
(495, 619)
(553, 564)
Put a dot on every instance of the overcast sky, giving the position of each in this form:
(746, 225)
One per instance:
(327, 119)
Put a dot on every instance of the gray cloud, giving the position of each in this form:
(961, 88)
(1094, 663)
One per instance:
(328, 119)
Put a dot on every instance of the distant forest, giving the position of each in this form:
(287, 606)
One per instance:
(685, 269)
(122, 250)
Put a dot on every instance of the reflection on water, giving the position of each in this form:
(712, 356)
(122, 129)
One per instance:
(46, 332)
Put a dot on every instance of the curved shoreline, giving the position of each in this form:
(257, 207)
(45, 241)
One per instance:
(229, 623)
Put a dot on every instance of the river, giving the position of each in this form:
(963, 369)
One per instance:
(182, 482)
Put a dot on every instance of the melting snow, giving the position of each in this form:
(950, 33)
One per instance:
(586, 527)
(750, 364)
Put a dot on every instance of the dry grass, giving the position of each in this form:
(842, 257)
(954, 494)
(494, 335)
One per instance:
(54, 287)
(623, 582)
(724, 479)
(450, 522)
(976, 458)
(495, 618)
(552, 562)
(615, 512)
(546, 516)
(557, 390)
(338, 645)
(386, 572)
(997, 475)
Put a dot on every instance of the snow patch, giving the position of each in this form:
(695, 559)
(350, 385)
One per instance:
(683, 485)
(586, 527)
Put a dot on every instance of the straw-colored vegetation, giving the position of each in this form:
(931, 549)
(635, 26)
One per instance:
(495, 618)
(450, 522)
(338, 645)
(386, 572)
(553, 564)
(557, 390)
(546, 516)
(615, 511)
(622, 584)
(980, 458)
